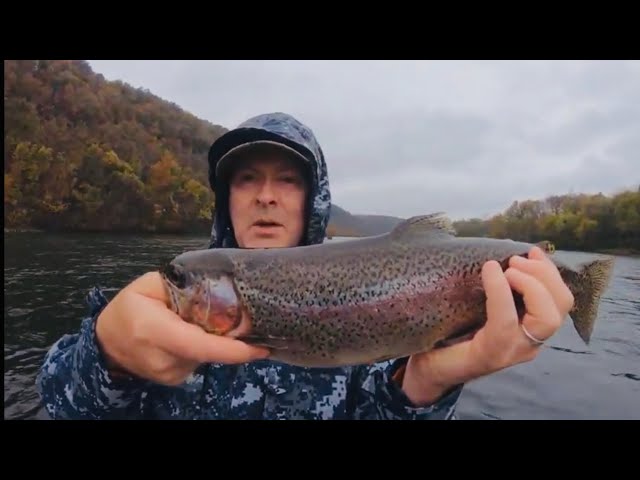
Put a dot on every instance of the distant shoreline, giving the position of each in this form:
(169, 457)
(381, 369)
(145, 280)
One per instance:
(24, 230)
(105, 232)
(623, 252)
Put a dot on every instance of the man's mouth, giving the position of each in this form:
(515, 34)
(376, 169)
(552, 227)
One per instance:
(266, 223)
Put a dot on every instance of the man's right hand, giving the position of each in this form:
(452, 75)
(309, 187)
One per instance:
(139, 334)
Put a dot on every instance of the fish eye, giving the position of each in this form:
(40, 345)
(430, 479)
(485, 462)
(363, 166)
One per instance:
(175, 275)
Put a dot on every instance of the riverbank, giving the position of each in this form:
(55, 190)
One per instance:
(621, 252)
(23, 230)
(122, 231)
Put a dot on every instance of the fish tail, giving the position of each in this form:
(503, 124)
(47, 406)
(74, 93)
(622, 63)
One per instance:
(588, 283)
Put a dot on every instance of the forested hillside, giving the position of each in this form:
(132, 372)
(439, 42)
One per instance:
(83, 153)
(86, 154)
(572, 222)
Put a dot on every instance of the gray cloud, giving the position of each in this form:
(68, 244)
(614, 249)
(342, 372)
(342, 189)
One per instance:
(409, 141)
(403, 138)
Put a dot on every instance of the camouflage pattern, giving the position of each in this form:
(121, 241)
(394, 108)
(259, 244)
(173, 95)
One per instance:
(74, 382)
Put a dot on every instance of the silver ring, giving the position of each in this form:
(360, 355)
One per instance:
(531, 337)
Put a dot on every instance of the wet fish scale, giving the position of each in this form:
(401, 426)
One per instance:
(369, 299)
(397, 282)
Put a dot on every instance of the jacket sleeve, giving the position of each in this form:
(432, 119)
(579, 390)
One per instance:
(375, 395)
(74, 383)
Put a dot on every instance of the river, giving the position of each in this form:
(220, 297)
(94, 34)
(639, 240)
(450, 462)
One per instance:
(47, 277)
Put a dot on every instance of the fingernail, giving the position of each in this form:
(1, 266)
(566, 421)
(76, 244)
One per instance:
(518, 260)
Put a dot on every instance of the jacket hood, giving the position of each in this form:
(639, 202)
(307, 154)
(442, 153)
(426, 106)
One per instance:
(284, 129)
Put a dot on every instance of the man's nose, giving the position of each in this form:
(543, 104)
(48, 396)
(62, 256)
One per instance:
(267, 193)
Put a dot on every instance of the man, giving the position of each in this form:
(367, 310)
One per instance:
(134, 358)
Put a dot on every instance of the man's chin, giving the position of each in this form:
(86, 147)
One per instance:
(276, 241)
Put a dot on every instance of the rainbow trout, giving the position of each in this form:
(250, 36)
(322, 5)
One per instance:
(359, 301)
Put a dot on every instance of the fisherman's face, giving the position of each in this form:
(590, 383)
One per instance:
(267, 201)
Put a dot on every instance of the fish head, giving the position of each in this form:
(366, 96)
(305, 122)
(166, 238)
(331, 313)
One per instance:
(203, 295)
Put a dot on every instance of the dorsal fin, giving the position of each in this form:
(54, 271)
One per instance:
(430, 224)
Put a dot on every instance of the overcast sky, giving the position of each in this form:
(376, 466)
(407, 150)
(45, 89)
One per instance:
(410, 137)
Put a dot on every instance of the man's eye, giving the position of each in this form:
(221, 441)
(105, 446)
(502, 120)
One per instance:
(245, 177)
(290, 179)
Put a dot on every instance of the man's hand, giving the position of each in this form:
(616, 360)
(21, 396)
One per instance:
(501, 342)
(138, 334)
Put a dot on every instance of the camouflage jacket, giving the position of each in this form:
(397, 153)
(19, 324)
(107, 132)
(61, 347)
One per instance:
(74, 382)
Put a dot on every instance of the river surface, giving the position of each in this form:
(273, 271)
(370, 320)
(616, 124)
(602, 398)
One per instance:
(47, 277)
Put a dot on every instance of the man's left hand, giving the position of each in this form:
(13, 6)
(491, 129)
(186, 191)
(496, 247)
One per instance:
(502, 342)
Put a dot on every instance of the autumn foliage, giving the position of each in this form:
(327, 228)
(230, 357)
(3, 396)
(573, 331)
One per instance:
(572, 222)
(83, 153)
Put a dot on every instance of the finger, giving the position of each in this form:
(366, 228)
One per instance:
(536, 253)
(500, 304)
(190, 342)
(150, 285)
(540, 267)
(542, 318)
